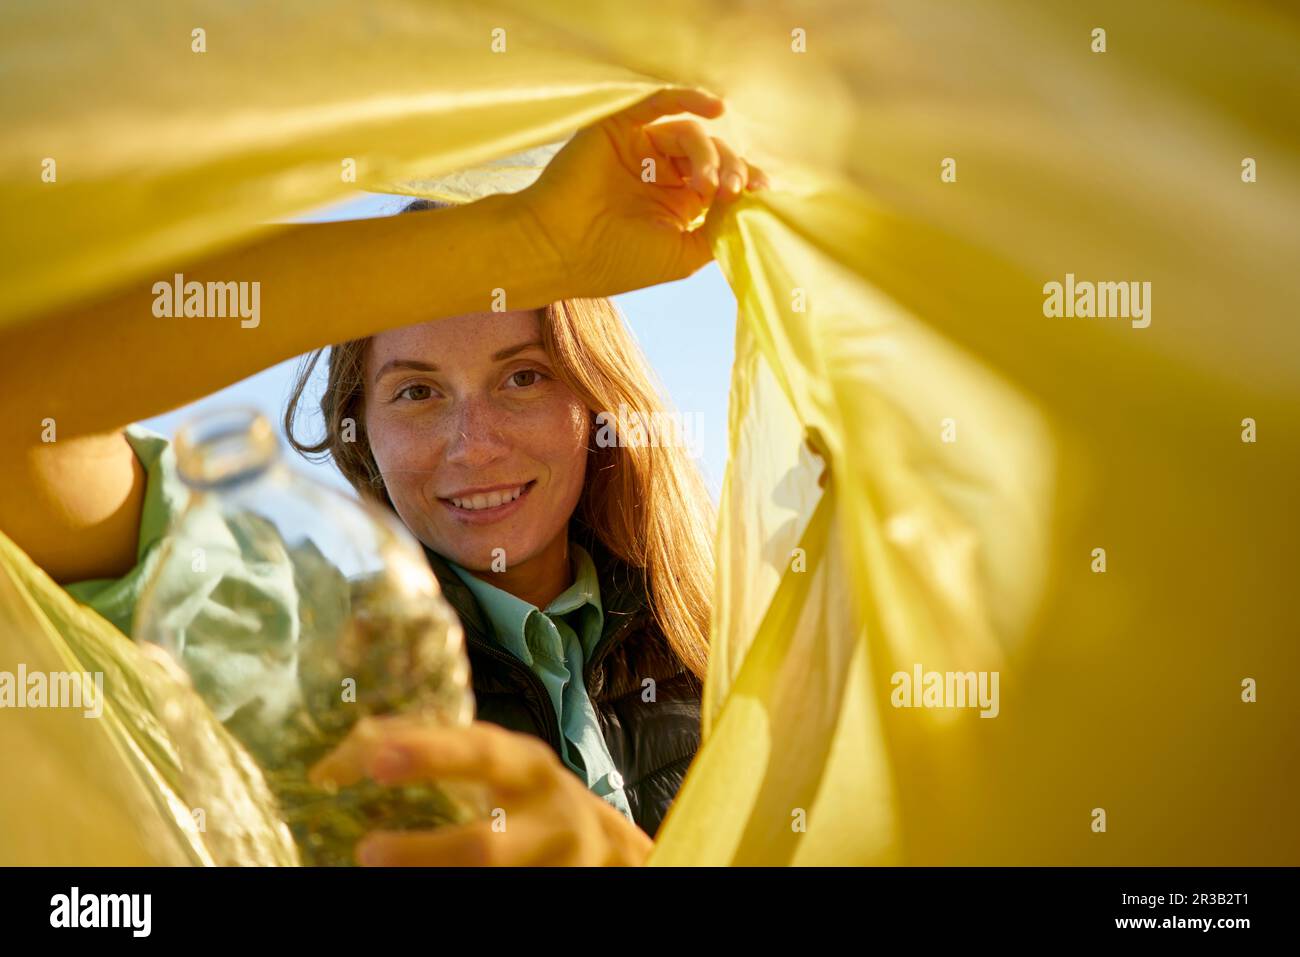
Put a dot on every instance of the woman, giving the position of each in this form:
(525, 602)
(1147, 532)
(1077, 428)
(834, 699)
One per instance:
(604, 588)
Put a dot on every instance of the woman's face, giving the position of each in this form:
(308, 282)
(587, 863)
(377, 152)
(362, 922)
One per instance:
(481, 446)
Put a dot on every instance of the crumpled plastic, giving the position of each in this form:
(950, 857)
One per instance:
(923, 465)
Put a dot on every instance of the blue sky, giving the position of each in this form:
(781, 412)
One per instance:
(686, 330)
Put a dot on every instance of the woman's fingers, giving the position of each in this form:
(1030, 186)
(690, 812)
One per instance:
(399, 750)
(543, 814)
(690, 149)
(733, 173)
(508, 763)
(345, 765)
(687, 139)
(670, 102)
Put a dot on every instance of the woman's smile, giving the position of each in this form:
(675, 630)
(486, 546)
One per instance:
(483, 506)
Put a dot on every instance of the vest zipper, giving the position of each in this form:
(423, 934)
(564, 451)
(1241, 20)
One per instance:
(602, 649)
(597, 654)
(551, 726)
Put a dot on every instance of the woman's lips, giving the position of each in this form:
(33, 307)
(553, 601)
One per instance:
(486, 516)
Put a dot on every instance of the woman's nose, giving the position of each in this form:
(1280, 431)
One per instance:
(477, 435)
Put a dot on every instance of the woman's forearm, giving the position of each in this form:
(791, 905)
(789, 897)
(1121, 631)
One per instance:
(100, 366)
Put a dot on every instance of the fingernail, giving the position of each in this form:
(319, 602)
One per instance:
(391, 761)
(733, 183)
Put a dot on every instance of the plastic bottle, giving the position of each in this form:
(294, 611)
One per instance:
(296, 610)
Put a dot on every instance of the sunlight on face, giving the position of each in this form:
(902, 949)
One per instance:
(481, 446)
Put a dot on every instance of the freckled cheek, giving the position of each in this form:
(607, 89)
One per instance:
(567, 451)
(406, 452)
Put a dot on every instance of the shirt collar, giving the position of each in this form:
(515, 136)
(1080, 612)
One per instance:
(509, 615)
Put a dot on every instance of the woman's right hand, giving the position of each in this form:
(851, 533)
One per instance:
(540, 813)
(611, 229)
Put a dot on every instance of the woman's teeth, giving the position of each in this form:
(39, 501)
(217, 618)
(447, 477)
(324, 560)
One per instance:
(489, 499)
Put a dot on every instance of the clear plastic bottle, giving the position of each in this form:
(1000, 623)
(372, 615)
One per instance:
(296, 611)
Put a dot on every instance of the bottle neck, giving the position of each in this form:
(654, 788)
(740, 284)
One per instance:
(225, 448)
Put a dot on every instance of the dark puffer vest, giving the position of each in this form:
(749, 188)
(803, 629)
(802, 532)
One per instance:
(652, 730)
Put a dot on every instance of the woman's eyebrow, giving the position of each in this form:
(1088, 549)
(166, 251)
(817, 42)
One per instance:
(417, 365)
(511, 350)
(413, 364)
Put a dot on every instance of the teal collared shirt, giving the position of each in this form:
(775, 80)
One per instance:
(554, 644)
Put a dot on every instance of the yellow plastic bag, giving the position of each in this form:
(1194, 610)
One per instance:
(927, 471)
(141, 772)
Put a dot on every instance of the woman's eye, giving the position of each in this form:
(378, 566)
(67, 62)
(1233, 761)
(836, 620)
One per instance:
(415, 393)
(524, 378)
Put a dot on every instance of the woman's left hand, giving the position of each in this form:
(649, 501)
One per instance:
(617, 201)
(541, 814)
